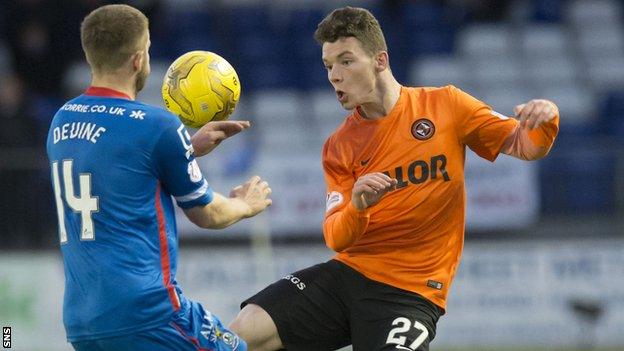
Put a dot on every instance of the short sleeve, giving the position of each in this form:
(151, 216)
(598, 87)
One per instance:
(478, 126)
(177, 168)
(338, 178)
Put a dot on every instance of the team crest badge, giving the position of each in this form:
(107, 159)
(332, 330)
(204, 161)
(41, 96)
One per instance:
(423, 129)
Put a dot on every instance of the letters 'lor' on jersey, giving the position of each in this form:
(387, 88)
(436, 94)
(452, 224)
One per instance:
(414, 236)
(115, 165)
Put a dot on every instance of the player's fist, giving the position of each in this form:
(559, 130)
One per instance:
(535, 112)
(370, 188)
(213, 133)
(255, 193)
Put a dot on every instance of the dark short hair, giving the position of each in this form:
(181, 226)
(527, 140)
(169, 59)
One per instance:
(111, 34)
(354, 22)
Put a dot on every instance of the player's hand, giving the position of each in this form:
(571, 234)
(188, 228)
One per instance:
(213, 133)
(255, 193)
(535, 112)
(370, 188)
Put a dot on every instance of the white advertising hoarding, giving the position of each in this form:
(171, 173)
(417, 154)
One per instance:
(506, 294)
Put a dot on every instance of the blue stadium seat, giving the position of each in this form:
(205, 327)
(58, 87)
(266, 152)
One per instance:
(246, 19)
(612, 114)
(184, 31)
(305, 20)
(260, 47)
(311, 75)
(195, 42)
(265, 75)
(431, 41)
(438, 70)
(423, 15)
(577, 179)
(303, 45)
(546, 11)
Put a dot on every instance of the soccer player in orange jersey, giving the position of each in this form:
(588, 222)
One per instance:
(395, 204)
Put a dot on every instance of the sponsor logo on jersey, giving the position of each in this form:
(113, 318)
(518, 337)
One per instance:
(499, 115)
(333, 199)
(423, 129)
(230, 339)
(194, 172)
(298, 283)
(137, 114)
(84, 108)
(434, 284)
(185, 138)
(208, 327)
(419, 171)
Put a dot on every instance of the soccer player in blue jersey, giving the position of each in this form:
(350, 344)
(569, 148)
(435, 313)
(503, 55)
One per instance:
(115, 164)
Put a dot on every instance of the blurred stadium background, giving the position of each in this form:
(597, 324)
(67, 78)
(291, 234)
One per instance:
(543, 267)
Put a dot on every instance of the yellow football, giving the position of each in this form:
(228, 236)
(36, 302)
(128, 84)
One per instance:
(199, 87)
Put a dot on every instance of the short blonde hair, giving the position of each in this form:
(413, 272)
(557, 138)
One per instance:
(111, 34)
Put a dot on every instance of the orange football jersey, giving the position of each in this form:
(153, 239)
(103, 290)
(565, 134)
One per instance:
(413, 238)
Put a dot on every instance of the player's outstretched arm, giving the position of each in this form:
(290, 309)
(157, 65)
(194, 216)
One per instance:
(535, 135)
(213, 133)
(246, 200)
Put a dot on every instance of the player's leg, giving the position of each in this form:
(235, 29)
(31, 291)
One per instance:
(387, 318)
(206, 331)
(302, 311)
(163, 338)
(89, 345)
(192, 329)
(254, 325)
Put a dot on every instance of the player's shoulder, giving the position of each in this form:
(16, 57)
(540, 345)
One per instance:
(431, 91)
(150, 116)
(342, 132)
(155, 113)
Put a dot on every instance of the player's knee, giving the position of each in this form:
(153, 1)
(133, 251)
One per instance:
(254, 325)
(238, 325)
(247, 321)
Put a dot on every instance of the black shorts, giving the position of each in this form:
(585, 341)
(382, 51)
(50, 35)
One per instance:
(330, 305)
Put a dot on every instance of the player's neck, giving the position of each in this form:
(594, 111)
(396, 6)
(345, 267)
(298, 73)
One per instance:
(386, 96)
(115, 82)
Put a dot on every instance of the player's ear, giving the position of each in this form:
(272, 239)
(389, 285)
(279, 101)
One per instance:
(137, 60)
(381, 61)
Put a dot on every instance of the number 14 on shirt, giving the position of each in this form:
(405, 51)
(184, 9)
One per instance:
(85, 204)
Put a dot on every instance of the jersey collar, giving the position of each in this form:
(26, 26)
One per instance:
(106, 92)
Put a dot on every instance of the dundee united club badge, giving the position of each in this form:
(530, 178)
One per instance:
(423, 129)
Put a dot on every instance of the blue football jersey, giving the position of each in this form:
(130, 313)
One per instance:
(116, 163)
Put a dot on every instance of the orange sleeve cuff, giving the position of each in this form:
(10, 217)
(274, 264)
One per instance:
(344, 227)
(544, 135)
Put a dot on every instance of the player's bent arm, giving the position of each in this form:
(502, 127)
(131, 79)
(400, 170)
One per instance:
(534, 141)
(342, 228)
(220, 213)
(246, 200)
